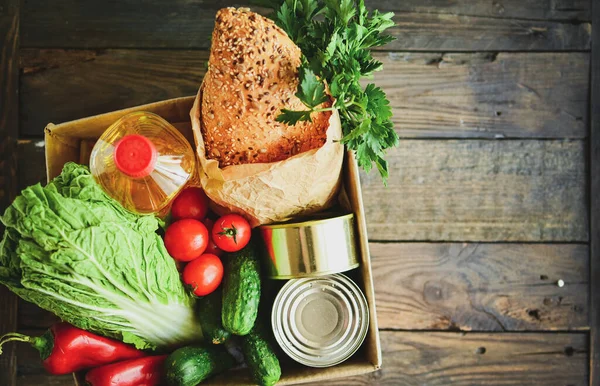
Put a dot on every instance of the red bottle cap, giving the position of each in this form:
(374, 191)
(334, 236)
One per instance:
(135, 155)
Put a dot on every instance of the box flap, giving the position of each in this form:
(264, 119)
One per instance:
(63, 141)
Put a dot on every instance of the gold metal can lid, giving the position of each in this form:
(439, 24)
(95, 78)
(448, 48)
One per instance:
(320, 321)
(310, 248)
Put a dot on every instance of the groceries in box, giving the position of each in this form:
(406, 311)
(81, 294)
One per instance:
(219, 232)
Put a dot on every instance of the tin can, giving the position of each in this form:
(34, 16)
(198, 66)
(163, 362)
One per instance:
(320, 321)
(310, 248)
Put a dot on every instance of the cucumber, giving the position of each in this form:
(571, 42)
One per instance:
(190, 365)
(241, 291)
(209, 315)
(261, 359)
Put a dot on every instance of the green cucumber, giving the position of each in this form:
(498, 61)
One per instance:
(261, 359)
(190, 365)
(209, 315)
(241, 291)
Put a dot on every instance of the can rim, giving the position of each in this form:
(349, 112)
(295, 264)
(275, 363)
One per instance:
(307, 223)
(348, 349)
(315, 274)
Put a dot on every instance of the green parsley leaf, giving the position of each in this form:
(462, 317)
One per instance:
(311, 91)
(337, 49)
(291, 117)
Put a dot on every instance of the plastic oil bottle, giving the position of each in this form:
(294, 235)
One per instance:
(142, 161)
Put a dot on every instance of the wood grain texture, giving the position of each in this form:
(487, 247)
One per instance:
(466, 190)
(8, 323)
(439, 32)
(481, 287)
(573, 10)
(9, 102)
(595, 205)
(9, 124)
(487, 95)
(438, 359)
(473, 190)
(458, 359)
(31, 162)
(188, 24)
(474, 287)
(59, 85)
(433, 95)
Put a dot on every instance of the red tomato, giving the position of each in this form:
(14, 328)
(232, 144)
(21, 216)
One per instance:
(204, 274)
(231, 232)
(190, 203)
(186, 239)
(211, 247)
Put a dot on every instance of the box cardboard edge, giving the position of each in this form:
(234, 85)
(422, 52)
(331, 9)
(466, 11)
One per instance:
(60, 145)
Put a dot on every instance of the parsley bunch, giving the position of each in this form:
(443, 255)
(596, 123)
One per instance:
(335, 37)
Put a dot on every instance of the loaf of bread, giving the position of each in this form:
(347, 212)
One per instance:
(252, 75)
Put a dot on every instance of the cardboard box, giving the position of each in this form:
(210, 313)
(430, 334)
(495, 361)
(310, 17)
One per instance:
(72, 141)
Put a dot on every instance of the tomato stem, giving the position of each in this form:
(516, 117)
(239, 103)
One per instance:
(230, 232)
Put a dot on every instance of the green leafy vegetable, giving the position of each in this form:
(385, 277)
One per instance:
(335, 37)
(72, 250)
(311, 91)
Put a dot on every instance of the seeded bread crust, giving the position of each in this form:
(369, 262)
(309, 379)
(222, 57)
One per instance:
(252, 75)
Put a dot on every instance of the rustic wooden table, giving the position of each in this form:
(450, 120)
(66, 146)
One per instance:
(490, 202)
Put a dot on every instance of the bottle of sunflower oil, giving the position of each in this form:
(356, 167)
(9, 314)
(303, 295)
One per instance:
(142, 161)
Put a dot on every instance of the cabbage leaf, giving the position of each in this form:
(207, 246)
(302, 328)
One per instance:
(73, 250)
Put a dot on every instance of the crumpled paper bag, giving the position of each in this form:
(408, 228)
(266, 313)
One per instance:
(273, 192)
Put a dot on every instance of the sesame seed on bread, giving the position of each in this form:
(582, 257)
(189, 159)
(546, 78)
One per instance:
(252, 75)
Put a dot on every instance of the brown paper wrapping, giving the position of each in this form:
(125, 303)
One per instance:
(273, 192)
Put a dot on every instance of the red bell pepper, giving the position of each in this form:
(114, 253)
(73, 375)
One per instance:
(65, 349)
(147, 371)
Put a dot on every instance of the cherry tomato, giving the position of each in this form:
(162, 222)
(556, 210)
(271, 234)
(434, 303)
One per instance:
(190, 203)
(186, 239)
(211, 247)
(231, 232)
(204, 274)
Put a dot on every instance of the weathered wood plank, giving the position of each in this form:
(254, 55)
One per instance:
(468, 190)
(574, 10)
(9, 124)
(9, 102)
(439, 32)
(595, 204)
(59, 85)
(415, 358)
(33, 317)
(32, 162)
(433, 95)
(443, 286)
(124, 24)
(481, 287)
(8, 323)
(440, 359)
(188, 24)
(487, 95)
(45, 380)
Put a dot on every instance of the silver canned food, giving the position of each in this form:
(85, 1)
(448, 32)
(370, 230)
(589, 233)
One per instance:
(320, 321)
(310, 248)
